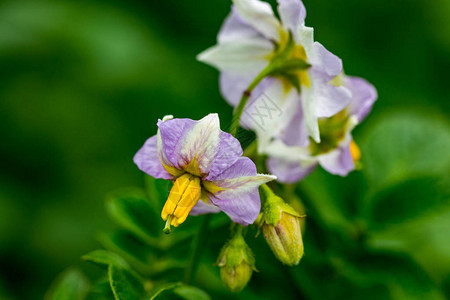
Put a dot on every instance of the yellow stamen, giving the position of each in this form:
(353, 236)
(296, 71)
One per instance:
(354, 150)
(185, 193)
(212, 188)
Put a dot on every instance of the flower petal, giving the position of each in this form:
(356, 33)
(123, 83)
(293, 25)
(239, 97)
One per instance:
(289, 171)
(233, 85)
(329, 99)
(235, 29)
(203, 208)
(324, 61)
(191, 145)
(169, 135)
(237, 191)
(295, 133)
(260, 15)
(363, 96)
(269, 110)
(338, 161)
(238, 56)
(242, 208)
(308, 98)
(292, 13)
(148, 161)
(228, 152)
(304, 36)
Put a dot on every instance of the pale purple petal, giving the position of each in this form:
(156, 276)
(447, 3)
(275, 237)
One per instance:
(204, 208)
(269, 110)
(329, 99)
(235, 28)
(260, 15)
(238, 56)
(185, 140)
(228, 152)
(292, 13)
(304, 36)
(243, 166)
(295, 133)
(308, 99)
(289, 171)
(324, 61)
(363, 96)
(147, 160)
(238, 196)
(171, 132)
(338, 161)
(233, 85)
(242, 208)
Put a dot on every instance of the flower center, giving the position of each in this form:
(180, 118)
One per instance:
(294, 52)
(332, 131)
(185, 193)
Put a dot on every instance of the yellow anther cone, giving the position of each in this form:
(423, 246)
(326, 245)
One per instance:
(185, 193)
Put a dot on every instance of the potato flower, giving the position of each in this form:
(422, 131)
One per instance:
(207, 168)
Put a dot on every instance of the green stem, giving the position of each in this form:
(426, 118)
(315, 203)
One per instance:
(245, 96)
(199, 246)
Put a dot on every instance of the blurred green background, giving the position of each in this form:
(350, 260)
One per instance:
(82, 84)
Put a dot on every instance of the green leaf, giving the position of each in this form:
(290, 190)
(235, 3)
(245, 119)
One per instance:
(402, 276)
(127, 245)
(124, 284)
(70, 285)
(408, 200)
(402, 145)
(184, 291)
(424, 238)
(191, 293)
(105, 258)
(166, 287)
(131, 210)
(101, 290)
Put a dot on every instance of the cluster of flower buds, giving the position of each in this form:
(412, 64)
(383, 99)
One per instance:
(236, 262)
(280, 224)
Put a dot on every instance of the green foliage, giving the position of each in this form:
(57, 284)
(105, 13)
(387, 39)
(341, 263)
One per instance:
(124, 284)
(70, 285)
(131, 210)
(106, 258)
(181, 291)
(134, 260)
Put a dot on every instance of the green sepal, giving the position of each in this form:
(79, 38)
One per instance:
(273, 208)
(285, 65)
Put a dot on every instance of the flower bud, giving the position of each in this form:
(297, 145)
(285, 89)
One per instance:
(236, 262)
(281, 228)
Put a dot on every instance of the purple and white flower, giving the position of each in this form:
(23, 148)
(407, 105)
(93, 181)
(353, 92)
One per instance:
(337, 152)
(250, 38)
(207, 168)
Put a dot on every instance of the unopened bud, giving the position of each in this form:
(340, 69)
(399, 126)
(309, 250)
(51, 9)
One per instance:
(281, 228)
(236, 262)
